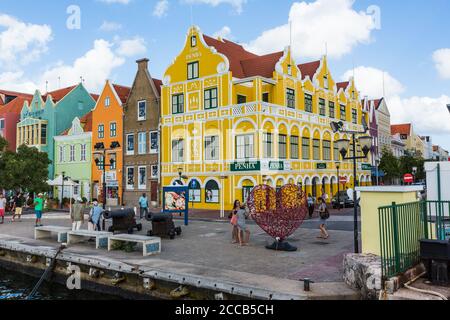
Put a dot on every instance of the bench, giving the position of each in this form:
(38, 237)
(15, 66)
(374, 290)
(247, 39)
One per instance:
(150, 245)
(47, 231)
(101, 237)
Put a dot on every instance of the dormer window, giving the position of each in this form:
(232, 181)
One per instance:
(289, 70)
(193, 41)
(107, 102)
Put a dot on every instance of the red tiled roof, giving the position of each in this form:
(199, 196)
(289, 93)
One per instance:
(309, 69)
(234, 52)
(13, 93)
(122, 91)
(15, 106)
(377, 103)
(261, 66)
(401, 129)
(86, 123)
(95, 96)
(59, 94)
(158, 84)
(342, 85)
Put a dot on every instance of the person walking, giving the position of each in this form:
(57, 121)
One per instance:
(77, 215)
(310, 206)
(18, 206)
(143, 206)
(324, 216)
(96, 215)
(243, 231)
(38, 208)
(2, 207)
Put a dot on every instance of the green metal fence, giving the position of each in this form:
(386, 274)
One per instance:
(402, 226)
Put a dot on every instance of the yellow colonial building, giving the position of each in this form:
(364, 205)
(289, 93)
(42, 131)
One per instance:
(232, 120)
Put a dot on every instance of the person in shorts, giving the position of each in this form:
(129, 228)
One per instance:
(324, 216)
(243, 231)
(2, 208)
(17, 206)
(38, 208)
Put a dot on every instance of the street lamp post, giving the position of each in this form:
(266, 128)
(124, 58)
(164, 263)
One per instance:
(338, 166)
(366, 143)
(62, 187)
(101, 151)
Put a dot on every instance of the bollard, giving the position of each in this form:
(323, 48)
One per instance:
(307, 284)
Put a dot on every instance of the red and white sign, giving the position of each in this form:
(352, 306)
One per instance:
(408, 178)
(343, 180)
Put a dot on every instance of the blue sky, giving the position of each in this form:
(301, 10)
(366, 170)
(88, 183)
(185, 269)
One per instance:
(412, 46)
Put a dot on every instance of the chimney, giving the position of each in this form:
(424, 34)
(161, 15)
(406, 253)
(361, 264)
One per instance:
(143, 63)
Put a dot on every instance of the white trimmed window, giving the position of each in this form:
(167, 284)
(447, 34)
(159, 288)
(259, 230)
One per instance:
(155, 172)
(178, 150)
(193, 70)
(268, 145)
(83, 152)
(130, 178)
(107, 102)
(244, 146)
(72, 154)
(61, 154)
(212, 148)
(142, 110)
(154, 142)
(113, 129)
(142, 142)
(142, 178)
(130, 144)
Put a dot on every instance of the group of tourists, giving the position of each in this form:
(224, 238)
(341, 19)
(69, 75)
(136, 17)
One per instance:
(240, 213)
(16, 205)
(78, 214)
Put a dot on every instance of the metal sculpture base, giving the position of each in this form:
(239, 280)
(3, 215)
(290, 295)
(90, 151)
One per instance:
(281, 246)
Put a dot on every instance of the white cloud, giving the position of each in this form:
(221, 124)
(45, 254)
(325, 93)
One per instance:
(14, 81)
(116, 1)
(94, 66)
(324, 23)
(370, 82)
(109, 26)
(441, 59)
(161, 8)
(236, 4)
(429, 115)
(20, 42)
(131, 47)
(224, 33)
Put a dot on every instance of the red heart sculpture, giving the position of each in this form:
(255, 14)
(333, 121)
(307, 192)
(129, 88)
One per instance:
(280, 213)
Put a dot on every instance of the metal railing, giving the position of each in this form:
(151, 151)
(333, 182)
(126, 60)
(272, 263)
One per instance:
(402, 226)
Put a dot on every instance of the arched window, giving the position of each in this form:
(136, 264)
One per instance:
(195, 191)
(247, 187)
(212, 194)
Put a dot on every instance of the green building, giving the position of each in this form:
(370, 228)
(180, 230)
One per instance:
(73, 158)
(50, 114)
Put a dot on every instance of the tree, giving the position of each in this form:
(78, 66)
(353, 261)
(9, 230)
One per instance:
(389, 164)
(25, 170)
(410, 161)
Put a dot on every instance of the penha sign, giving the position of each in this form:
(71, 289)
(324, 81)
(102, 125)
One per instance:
(246, 166)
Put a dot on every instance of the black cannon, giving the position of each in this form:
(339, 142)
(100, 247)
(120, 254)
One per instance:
(123, 221)
(162, 226)
(436, 256)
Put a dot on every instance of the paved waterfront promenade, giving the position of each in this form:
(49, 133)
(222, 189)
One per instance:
(205, 249)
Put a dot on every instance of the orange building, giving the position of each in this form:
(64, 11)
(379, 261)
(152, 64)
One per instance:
(107, 127)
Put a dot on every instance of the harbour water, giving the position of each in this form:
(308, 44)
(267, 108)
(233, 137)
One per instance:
(16, 286)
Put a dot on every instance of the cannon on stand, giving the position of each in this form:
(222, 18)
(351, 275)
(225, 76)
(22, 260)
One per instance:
(162, 226)
(122, 221)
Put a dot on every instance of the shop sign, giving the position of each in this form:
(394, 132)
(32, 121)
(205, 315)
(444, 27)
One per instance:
(366, 167)
(112, 184)
(276, 165)
(246, 166)
(321, 166)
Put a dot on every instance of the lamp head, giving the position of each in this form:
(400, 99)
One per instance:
(337, 126)
(343, 146)
(366, 143)
(99, 146)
